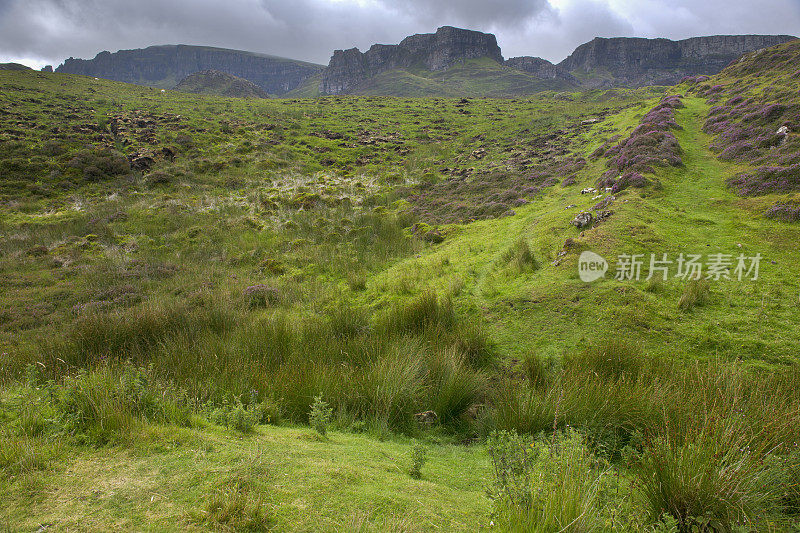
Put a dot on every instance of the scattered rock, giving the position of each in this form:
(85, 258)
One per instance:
(602, 215)
(582, 220)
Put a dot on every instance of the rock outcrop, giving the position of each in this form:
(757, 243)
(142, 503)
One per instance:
(165, 66)
(218, 83)
(430, 51)
(541, 68)
(636, 62)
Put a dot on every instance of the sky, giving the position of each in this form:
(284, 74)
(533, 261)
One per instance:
(41, 32)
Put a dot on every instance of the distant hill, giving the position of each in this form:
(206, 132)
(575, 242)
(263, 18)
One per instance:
(635, 62)
(13, 66)
(214, 82)
(165, 66)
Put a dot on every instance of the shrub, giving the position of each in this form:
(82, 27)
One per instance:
(630, 179)
(393, 387)
(100, 164)
(545, 486)
(107, 403)
(356, 280)
(520, 257)
(158, 178)
(537, 371)
(696, 294)
(711, 477)
(347, 321)
(234, 414)
(424, 313)
(419, 455)
(784, 211)
(649, 145)
(320, 415)
(134, 333)
(261, 296)
(614, 359)
(236, 508)
(22, 455)
(453, 384)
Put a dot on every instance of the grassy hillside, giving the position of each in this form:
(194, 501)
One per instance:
(215, 83)
(470, 78)
(190, 282)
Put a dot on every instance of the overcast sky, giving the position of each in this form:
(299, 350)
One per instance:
(39, 32)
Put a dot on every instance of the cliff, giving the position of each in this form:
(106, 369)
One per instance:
(541, 68)
(165, 66)
(432, 52)
(636, 62)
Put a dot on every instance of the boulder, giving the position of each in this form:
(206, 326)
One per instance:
(582, 220)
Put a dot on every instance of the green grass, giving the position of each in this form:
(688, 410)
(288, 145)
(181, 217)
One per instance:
(283, 250)
(176, 480)
(469, 78)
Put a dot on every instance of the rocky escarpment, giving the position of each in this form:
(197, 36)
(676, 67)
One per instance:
(636, 62)
(432, 52)
(165, 66)
(541, 68)
(214, 82)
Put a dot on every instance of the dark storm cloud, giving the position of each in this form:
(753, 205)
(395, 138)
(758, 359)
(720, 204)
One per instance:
(472, 13)
(37, 31)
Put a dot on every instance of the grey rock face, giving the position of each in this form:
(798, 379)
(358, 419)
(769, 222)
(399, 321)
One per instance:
(431, 51)
(541, 68)
(635, 62)
(165, 66)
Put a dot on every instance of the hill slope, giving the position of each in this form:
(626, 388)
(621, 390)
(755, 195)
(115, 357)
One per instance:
(218, 83)
(13, 66)
(189, 282)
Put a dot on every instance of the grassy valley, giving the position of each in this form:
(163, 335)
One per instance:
(365, 313)
(482, 77)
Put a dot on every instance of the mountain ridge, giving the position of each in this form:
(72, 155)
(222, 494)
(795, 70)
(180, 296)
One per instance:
(637, 61)
(407, 68)
(163, 66)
